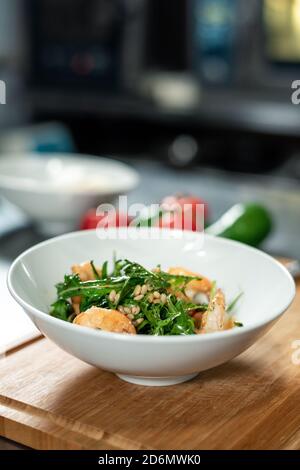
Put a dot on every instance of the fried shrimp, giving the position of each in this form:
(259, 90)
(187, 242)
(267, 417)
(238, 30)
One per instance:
(105, 319)
(197, 289)
(216, 318)
(85, 271)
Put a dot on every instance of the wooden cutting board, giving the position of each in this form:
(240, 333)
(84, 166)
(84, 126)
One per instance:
(50, 400)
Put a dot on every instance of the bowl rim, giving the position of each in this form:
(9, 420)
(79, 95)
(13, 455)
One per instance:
(6, 180)
(150, 338)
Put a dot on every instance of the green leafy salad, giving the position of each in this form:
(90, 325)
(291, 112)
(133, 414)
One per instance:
(134, 300)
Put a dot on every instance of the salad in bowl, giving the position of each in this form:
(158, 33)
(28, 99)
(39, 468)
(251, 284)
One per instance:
(144, 317)
(132, 299)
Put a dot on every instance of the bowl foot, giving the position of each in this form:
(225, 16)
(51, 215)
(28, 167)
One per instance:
(156, 381)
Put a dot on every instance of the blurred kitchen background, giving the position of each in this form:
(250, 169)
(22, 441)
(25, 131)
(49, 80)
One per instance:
(193, 94)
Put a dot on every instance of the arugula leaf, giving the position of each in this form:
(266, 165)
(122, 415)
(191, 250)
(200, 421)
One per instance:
(70, 281)
(104, 270)
(61, 309)
(190, 307)
(213, 290)
(170, 319)
(94, 301)
(183, 324)
(96, 274)
(118, 265)
(234, 302)
(88, 288)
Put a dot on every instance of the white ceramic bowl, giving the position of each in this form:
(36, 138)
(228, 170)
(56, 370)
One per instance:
(55, 190)
(268, 291)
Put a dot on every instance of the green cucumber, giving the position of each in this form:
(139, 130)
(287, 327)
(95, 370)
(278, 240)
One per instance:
(247, 223)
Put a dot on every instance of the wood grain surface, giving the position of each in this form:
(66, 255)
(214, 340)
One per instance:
(50, 400)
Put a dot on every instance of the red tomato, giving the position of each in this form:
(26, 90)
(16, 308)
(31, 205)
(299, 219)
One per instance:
(104, 220)
(182, 220)
(184, 213)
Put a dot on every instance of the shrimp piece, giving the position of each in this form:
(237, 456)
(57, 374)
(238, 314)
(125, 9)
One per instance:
(105, 319)
(215, 318)
(197, 289)
(85, 271)
(76, 304)
(76, 307)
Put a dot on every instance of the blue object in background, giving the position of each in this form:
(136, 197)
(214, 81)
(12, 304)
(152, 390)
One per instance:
(42, 138)
(214, 31)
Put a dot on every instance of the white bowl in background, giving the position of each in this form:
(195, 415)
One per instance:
(154, 360)
(55, 190)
